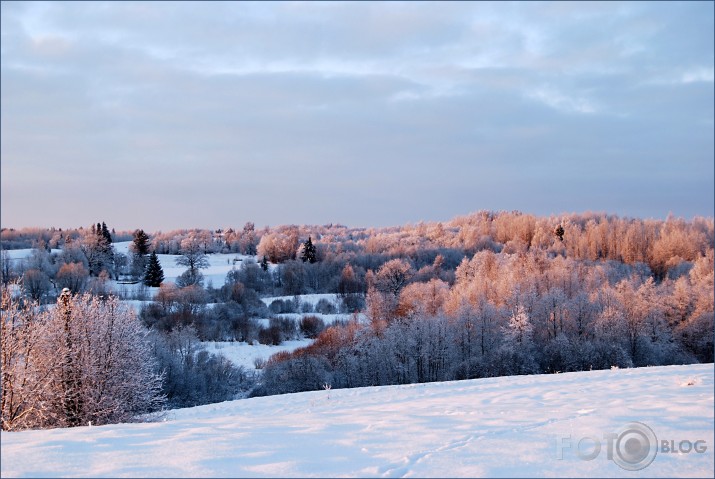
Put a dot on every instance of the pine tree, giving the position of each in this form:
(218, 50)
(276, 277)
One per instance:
(97, 247)
(141, 243)
(309, 253)
(559, 232)
(105, 232)
(154, 275)
(264, 263)
(140, 249)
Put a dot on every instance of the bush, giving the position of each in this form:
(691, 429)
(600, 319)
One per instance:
(270, 335)
(311, 326)
(287, 327)
(192, 376)
(259, 363)
(85, 360)
(279, 306)
(325, 307)
(352, 302)
(306, 373)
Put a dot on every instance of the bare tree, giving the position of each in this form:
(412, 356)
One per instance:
(36, 284)
(193, 256)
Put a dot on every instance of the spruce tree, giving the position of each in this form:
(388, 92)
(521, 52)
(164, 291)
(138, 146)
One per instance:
(264, 263)
(309, 253)
(559, 232)
(154, 275)
(141, 243)
(105, 232)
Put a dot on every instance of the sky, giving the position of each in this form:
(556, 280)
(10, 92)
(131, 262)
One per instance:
(161, 115)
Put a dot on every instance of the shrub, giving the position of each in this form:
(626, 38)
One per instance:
(325, 307)
(311, 326)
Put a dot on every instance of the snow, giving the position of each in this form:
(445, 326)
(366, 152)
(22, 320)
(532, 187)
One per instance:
(21, 254)
(219, 264)
(306, 298)
(497, 427)
(243, 354)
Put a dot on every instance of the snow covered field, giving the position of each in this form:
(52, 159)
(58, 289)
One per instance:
(526, 426)
(219, 265)
(243, 354)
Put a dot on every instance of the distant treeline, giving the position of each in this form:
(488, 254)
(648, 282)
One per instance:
(661, 244)
(481, 295)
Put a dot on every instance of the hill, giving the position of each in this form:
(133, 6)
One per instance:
(497, 427)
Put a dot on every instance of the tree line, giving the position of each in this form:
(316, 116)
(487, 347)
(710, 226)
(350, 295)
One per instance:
(519, 313)
(481, 295)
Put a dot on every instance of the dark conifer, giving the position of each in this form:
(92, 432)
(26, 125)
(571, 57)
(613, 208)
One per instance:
(309, 253)
(559, 232)
(154, 275)
(141, 243)
(105, 232)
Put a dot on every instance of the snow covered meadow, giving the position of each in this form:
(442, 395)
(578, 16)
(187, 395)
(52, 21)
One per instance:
(525, 426)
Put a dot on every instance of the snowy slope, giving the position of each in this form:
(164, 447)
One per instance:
(491, 427)
(244, 354)
(219, 265)
(306, 298)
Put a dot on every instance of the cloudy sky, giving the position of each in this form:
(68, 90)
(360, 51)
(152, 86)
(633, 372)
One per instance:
(171, 115)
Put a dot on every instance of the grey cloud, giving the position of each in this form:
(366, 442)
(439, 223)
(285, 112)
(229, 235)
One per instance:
(374, 113)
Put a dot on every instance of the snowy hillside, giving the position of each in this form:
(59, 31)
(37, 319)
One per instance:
(244, 355)
(512, 426)
(219, 264)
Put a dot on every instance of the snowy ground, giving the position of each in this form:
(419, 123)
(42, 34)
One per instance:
(219, 265)
(17, 255)
(243, 354)
(311, 299)
(527, 426)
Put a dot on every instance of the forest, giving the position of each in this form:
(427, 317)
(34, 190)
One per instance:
(482, 295)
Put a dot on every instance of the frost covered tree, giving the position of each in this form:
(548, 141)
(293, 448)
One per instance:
(72, 276)
(519, 329)
(248, 241)
(393, 276)
(7, 272)
(279, 246)
(192, 376)
(85, 360)
(26, 371)
(97, 248)
(193, 256)
(36, 284)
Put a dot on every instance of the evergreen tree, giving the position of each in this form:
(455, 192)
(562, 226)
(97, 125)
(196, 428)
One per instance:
(105, 232)
(154, 275)
(264, 263)
(140, 248)
(97, 247)
(141, 243)
(559, 232)
(309, 252)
